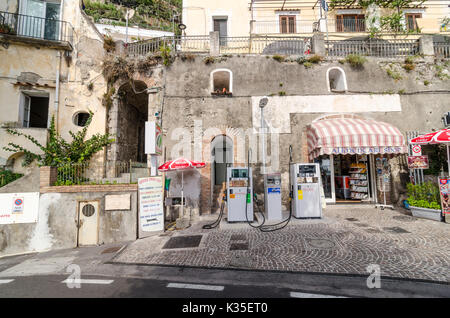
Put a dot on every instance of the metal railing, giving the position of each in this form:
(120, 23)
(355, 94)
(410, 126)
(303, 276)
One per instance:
(35, 27)
(266, 45)
(192, 44)
(100, 173)
(277, 27)
(442, 50)
(373, 47)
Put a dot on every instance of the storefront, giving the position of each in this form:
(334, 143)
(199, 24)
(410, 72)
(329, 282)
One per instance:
(354, 154)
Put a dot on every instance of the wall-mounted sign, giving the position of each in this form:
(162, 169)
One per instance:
(19, 207)
(418, 162)
(367, 150)
(416, 150)
(151, 209)
(153, 138)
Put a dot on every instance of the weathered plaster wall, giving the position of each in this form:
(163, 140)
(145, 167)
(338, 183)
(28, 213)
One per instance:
(81, 82)
(192, 116)
(56, 228)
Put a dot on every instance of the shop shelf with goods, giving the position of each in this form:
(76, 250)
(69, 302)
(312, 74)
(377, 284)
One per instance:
(359, 188)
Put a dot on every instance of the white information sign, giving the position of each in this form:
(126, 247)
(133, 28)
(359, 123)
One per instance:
(19, 207)
(151, 209)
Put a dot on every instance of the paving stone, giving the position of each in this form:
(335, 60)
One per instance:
(404, 249)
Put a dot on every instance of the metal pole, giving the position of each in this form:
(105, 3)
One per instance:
(126, 36)
(263, 142)
(182, 193)
(448, 160)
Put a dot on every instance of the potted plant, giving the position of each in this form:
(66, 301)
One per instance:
(424, 200)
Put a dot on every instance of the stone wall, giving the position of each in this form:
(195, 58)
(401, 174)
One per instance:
(297, 93)
(58, 212)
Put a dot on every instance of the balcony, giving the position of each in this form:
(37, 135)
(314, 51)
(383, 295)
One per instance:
(340, 25)
(36, 30)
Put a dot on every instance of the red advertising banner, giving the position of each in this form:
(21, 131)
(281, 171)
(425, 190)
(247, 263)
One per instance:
(418, 162)
(444, 189)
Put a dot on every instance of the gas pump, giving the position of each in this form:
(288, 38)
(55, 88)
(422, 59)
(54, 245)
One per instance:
(305, 190)
(272, 196)
(240, 194)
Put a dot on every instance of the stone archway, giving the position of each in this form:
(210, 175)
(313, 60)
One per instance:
(126, 120)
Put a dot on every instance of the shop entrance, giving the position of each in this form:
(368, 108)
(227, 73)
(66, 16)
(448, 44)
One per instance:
(347, 178)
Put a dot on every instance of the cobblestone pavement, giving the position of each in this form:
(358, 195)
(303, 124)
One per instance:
(346, 241)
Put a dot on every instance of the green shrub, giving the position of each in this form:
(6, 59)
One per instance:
(315, 59)
(355, 60)
(307, 64)
(281, 93)
(7, 176)
(279, 58)
(424, 195)
(393, 74)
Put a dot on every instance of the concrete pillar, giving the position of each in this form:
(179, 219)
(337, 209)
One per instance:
(47, 176)
(214, 43)
(426, 47)
(120, 47)
(113, 128)
(154, 105)
(318, 44)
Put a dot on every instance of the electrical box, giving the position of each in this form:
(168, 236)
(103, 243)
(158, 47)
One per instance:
(305, 190)
(239, 194)
(272, 196)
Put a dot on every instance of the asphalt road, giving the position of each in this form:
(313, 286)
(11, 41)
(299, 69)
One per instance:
(45, 275)
(56, 286)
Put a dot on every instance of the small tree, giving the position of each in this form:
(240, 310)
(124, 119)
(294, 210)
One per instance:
(390, 23)
(59, 152)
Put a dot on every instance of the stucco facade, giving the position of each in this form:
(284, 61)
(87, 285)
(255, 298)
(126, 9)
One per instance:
(301, 17)
(29, 69)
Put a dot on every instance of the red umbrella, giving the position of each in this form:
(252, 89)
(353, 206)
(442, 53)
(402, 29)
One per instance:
(181, 164)
(438, 137)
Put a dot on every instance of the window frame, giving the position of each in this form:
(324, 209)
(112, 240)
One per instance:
(340, 27)
(288, 25)
(415, 16)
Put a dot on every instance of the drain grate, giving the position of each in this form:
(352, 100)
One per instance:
(239, 247)
(404, 218)
(111, 250)
(183, 242)
(352, 219)
(238, 237)
(395, 230)
(321, 243)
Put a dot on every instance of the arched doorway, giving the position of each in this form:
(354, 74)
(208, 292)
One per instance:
(126, 120)
(221, 158)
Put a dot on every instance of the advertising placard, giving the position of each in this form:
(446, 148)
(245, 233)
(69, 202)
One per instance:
(153, 138)
(151, 208)
(418, 162)
(444, 189)
(19, 207)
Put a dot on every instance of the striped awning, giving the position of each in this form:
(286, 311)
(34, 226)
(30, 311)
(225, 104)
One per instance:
(349, 135)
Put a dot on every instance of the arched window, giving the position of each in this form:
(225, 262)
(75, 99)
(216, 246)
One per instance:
(336, 80)
(222, 82)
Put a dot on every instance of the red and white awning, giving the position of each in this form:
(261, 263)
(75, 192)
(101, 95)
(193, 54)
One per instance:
(349, 135)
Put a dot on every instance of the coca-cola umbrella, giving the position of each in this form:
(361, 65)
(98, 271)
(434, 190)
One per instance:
(438, 137)
(181, 164)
